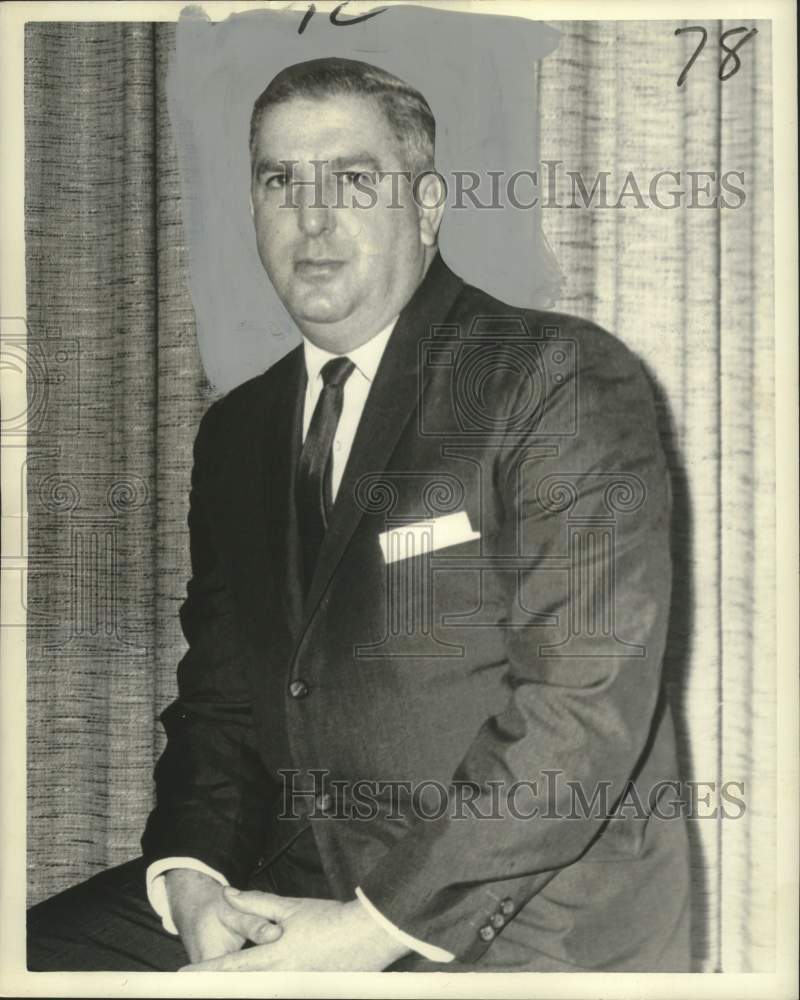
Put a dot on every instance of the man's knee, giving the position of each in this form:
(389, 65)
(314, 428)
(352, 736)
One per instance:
(102, 924)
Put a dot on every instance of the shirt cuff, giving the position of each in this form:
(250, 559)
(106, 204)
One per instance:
(157, 889)
(430, 951)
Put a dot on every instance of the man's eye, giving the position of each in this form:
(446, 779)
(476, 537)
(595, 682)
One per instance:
(364, 176)
(276, 181)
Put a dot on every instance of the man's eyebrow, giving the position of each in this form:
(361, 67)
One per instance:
(266, 165)
(359, 159)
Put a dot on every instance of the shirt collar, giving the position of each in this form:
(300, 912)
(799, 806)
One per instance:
(366, 358)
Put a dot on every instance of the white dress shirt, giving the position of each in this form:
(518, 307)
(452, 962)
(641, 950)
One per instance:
(366, 359)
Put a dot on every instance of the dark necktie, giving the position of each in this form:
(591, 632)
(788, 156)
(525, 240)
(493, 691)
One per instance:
(313, 488)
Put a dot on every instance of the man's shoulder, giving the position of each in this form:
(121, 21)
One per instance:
(242, 404)
(478, 315)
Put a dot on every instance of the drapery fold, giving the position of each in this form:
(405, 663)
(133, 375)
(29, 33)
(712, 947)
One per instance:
(112, 351)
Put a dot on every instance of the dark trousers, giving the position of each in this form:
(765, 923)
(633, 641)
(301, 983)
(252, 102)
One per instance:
(106, 924)
(102, 925)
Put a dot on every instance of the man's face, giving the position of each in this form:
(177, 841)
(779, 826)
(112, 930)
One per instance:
(342, 271)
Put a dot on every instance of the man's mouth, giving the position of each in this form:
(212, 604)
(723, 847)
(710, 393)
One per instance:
(318, 268)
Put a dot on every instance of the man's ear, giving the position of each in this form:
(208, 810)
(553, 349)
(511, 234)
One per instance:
(430, 195)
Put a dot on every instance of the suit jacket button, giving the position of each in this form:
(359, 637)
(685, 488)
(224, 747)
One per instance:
(497, 920)
(507, 907)
(487, 932)
(298, 689)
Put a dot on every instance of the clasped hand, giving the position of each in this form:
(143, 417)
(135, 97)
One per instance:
(305, 935)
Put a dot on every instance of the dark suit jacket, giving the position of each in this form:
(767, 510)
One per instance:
(535, 648)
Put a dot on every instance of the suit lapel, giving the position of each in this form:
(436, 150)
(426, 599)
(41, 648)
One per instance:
(392, 399)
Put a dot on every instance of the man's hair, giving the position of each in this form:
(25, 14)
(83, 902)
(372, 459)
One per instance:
(407, 112)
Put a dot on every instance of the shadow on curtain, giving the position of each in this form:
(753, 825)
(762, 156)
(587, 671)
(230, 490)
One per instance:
(690, 290)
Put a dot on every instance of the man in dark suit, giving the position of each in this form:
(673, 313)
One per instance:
(420, 722)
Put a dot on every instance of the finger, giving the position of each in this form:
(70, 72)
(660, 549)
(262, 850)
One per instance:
(262, 904)
(250, 926)
(249, 960)
(266, 933)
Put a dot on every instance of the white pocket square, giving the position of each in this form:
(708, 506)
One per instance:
(409, 540)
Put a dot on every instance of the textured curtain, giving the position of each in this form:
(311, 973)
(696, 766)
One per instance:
(690, 290)
(116, 390)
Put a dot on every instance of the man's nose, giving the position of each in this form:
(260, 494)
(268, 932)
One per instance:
(315, 212)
